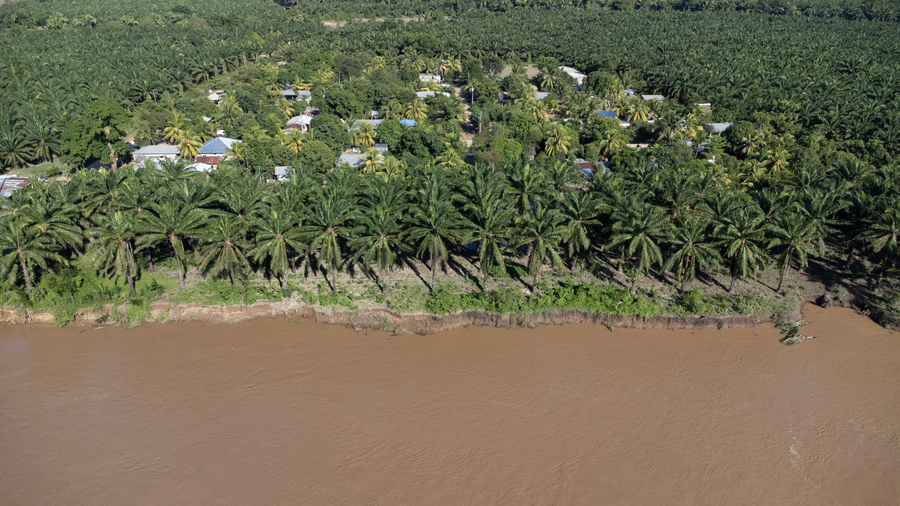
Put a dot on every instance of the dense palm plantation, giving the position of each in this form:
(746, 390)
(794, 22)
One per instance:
(373, 224)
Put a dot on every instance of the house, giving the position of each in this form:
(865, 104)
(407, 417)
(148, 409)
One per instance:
(355, 160)
(503, 98)
(216, 147)
(155, 151)
(704, 106)
(208, 159)
(658, 98)
(430, 78)
(606, 114)
(408, 122)
(289, 94)
(282, 173)
(574, 74)
(541, 95)
(425, 94)
(216, 96)
(630, 92)
(10, 183)
(301, 123)
(201, 167)
(304, 95)
(360, 122)
(717, 128)
(583, 164)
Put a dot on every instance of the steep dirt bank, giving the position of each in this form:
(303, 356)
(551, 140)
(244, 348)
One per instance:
(385, 319)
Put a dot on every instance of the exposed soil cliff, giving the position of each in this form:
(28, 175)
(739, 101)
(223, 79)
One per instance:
(385, 319)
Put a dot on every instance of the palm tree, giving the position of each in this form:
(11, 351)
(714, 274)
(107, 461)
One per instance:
(543, 232)
(559, 141)
(377, 238)
(229, 110)
(797, 235)
(238, 152)
(372, 161)
(111, 249)
(24, 244)
(487, 216)
(175, 131)
(326, 226)
(743, 235)
(580, 210)
(276, 238)
(224, 247)
(433, 221)
(171, 223)
(364, 136)
(883, 233)
(642, 226)
(449, 158)
(692, 249)
(417, 110)
(525, 185)
(293, 139)
(189, 145)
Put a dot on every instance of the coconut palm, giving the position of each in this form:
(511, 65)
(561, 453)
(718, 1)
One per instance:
(364, 136)
(111, 249)
(417, 110)
(449, 158)
(795, 234)
(293, 140)
(238, 152)
(223, 247)
(693, 249)
(543, 233)
(372, 161)
(559, 140)
(189, 145)
(882, 232)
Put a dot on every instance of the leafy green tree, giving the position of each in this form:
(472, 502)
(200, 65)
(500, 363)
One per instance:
(98, 133)
(316, 156)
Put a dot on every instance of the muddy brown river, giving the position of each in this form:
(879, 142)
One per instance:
(270, 412)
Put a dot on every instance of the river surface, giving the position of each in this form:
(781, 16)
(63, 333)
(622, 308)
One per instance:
(271, 412)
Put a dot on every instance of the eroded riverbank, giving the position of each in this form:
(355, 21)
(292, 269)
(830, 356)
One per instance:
(272, 412)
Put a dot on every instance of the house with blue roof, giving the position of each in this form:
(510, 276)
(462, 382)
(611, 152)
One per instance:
(217, 146)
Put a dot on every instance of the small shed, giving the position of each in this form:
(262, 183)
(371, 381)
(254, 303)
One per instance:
(717, 128)
(301, 123)
(658, 98)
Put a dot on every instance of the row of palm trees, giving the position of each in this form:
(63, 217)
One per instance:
(645, 221)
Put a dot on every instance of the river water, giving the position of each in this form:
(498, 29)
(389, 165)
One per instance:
(271, 412)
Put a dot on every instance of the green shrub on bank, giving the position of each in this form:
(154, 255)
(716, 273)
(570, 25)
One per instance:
(601, 299)
(695, 302)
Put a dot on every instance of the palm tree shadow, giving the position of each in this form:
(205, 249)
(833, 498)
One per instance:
(412, 266)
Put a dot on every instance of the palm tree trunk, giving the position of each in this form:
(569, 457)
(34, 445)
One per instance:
(180, 273)
(333, 278)
(733, 278)
(25, 272)
(130, 279)
(382, 279)
(150, 262)
(433, 271)
(784, 270)
(231, 271)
